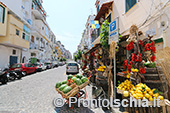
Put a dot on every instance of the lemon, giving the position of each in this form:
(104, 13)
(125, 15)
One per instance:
(136, 70)
(147, 88)
(151, 92)
(125, 93)
(150, 98)
(156, 95)
(161, 97)
(147, 95)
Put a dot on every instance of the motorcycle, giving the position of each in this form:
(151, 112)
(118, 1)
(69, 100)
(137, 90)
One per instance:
(12, 75)
(3, 76)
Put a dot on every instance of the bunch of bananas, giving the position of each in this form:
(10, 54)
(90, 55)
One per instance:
(142, 91)
(101, 68)
(126, 85)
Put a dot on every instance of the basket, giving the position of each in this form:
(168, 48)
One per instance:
(83, 85)
(71, 93)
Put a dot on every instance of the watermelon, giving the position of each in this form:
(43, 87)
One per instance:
(62, 87)
(84, 79)
(78, 81)
(58, 84)
(67, 89)
(74, 79)
(69, 77)
(79, 76)
(64, 82)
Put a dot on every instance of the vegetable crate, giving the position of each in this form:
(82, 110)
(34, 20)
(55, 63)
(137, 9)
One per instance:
(75, 90)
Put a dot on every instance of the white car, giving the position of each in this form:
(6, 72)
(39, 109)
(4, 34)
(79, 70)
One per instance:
(72, 68)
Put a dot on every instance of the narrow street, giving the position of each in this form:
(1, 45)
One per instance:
(33, 93)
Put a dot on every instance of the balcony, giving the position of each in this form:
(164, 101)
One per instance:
(35, 48)
(38, 10)
(103, 9)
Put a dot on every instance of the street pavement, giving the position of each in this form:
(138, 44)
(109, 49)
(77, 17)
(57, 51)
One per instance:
(35, 94)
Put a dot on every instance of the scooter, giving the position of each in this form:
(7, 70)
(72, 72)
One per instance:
(12, 75)
(3, 76)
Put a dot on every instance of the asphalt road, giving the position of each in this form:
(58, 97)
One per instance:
(35, 94)
(32, 94)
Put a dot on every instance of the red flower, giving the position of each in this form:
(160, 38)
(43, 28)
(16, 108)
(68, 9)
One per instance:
(147, 47)
(153, 58)
(134, 57)
(141, 43)
(125, 63)
(129, 68)
(142, 70)
(139, 58)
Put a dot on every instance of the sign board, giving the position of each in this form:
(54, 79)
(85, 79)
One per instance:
(114, 31)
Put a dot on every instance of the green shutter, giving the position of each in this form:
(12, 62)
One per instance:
(3, 18)
(158, 40)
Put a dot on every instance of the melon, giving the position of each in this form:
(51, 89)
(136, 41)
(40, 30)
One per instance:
(62, 87)
(64, 82)
(69, 77)
(74, 79)
(78, 81)
(67, 89)
(58, 84)
(84, 79)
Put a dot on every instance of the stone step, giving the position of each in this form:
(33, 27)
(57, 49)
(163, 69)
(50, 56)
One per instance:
(155, 84)
(153, 70)
(152, 76)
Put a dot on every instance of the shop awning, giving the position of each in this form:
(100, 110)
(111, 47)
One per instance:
(97, 41)
(93, 48)
(104, 8)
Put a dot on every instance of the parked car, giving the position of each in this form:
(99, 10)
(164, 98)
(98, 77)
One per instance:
(48, 65)
(60, 63)
(3, 76)
(43, 66)
(72, 68)
(38, 65)
(24, 68)
(55, 64)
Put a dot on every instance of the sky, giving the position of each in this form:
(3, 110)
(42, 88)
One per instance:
(67, 19)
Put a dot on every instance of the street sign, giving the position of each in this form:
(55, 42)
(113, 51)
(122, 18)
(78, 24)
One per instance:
(114, 31)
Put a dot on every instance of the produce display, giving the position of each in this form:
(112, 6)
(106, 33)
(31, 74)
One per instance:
(65, 86)
(101, 68)
(150, 64)
(140, 91)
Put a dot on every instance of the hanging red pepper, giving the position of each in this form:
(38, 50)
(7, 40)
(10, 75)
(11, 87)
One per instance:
(141, 43)
(131, 63)
(125, 63)
(142, 70)
(130, 46)
(93, 54)
(147, 47)
(129, 68)
(134, 57)
(153, 58)
(139, 58)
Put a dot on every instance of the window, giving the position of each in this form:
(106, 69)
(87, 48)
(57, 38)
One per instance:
(32, 38)
(16, 66)
(130, 4)
(42, 28)
(14, 52)
(2, 14)
(98, 7)
(17, 32)
(47, 32)
(23, 36)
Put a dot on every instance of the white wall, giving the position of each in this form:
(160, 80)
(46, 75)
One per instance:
(6, 52)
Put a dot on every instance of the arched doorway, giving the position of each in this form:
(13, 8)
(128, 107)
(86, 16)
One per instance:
(23, 59)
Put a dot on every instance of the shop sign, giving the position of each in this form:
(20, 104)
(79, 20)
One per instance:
(114, 31)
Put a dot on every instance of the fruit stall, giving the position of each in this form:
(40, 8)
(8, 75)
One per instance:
(138, 74)
(72, 87)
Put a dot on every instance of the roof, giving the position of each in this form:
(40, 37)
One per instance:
(93, 48)
(104, 8)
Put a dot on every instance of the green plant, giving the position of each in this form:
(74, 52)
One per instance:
(104, 34)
